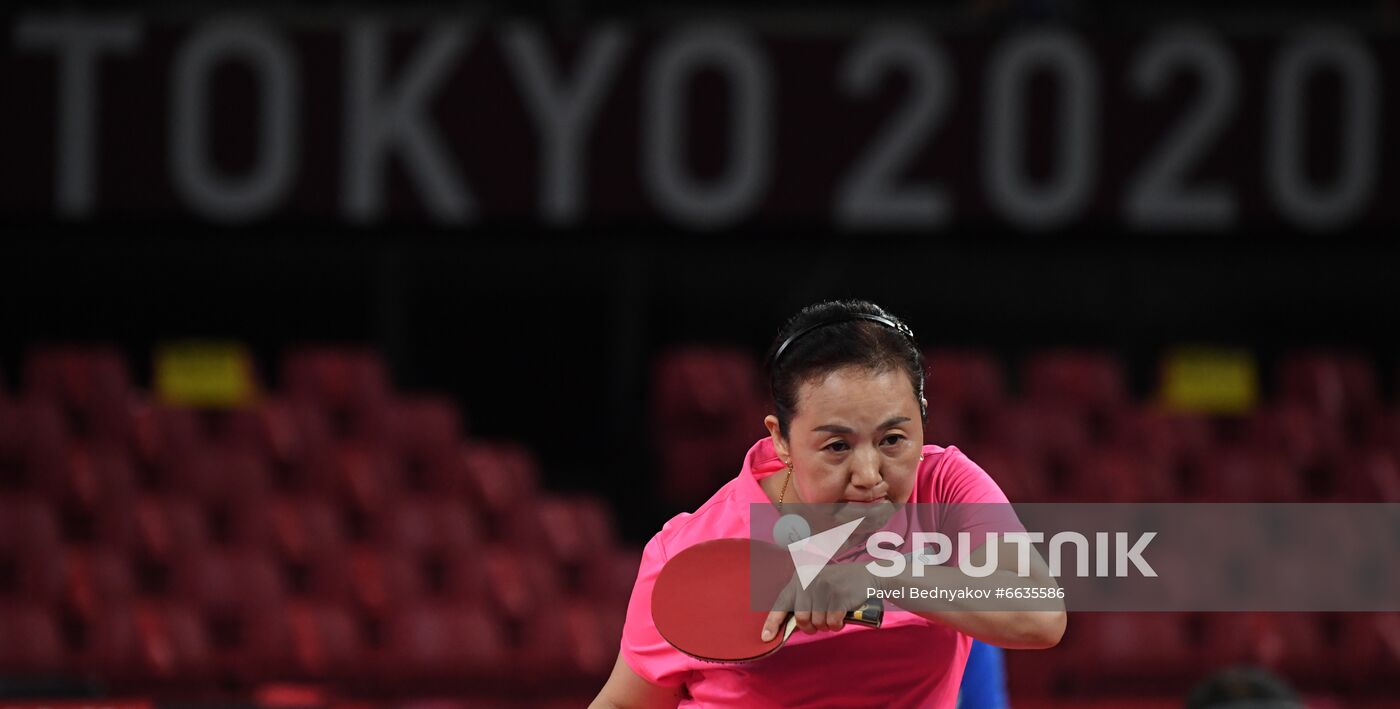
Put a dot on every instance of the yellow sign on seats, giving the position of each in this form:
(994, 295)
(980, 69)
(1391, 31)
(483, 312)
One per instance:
(203, 373)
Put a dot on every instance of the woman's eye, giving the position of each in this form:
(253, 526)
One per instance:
(893, 438)
(837, 446)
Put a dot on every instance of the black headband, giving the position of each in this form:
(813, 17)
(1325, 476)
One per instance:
(844, 317)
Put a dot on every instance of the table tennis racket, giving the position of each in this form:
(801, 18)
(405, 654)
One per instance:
(704, 600)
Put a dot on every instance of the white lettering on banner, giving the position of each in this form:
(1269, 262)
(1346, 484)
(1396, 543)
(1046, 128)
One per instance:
(564, 97)
(1023, 542)
(77, 41)
(207, 189)
(1308, 204)
(1157, 196)
(1081, 553)
(868, 196)
(382, 120)
(884, 545)
(735, 193)
(1064, 194)
(1133, 554)
(563, 112)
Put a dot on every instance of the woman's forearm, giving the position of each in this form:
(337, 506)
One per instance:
(939, 594)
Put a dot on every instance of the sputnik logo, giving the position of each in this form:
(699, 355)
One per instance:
(812, 554)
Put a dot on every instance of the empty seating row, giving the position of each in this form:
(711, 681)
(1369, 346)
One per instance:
(1073, 435)
(312, 640)
(1229, 474)
(572, 529)
(1161, 652)
(418, 431)
(494, 476)
(516, 580)
(693, 380)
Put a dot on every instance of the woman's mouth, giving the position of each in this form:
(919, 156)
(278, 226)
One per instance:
(874, 501)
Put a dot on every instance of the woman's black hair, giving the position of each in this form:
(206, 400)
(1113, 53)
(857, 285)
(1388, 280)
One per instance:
(824, 337)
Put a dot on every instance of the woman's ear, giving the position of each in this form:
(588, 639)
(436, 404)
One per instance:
(776, 433)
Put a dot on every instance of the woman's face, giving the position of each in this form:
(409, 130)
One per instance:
(856, 436)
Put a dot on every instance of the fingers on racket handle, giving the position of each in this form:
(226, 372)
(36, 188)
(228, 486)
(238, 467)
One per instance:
(870, 613)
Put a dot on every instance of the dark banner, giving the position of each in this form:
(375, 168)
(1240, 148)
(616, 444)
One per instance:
(885, 124)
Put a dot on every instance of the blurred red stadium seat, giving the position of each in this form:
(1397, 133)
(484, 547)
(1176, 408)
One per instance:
(424, 524)
(425, 433)
(32, 640)
(522, 580)
(699, 385)
(1167, 436)
(1040, 429)
(1369, 651)
(156, 527)
(1019, 474)
(1234, 474)
(33, 436)
(573, 530)
(224, 581)
(1364, 474)
(1146, 652)
(375, 579)
(90, 477)
(965, 379)
(1382, 429)
(609, 578)
(707, 408)
(1121, 475)
(285, 432)
(298, 529)
(1337, 384)
(162, 434)
(215, 475)
(90, 383)
(497, 477)
(150, 640)
(313, 641)
(33, 574)
(694, 467)
(1302, 434)
(1091, 380)
(96, 577)
(945, 424)
(351, 384)
(571, 638)
(1292, 644)
(432, 640)
(360, 477)
(27, 523)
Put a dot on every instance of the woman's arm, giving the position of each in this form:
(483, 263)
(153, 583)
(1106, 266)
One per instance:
(1017, 629)
(626, 689)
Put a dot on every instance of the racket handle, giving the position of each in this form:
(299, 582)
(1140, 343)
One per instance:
(870, 613)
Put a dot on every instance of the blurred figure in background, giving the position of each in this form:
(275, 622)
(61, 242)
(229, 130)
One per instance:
(1243, 688)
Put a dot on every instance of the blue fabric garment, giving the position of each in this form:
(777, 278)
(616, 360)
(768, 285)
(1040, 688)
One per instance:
(984, 679)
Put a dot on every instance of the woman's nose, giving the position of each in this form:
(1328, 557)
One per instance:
(865, 470)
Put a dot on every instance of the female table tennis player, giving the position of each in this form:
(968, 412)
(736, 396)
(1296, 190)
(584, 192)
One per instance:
(847, 385)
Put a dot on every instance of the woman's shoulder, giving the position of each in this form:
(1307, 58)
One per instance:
(721, 516)
(946, 474)
(939, 459)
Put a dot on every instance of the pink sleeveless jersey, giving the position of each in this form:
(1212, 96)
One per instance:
(909, 662)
